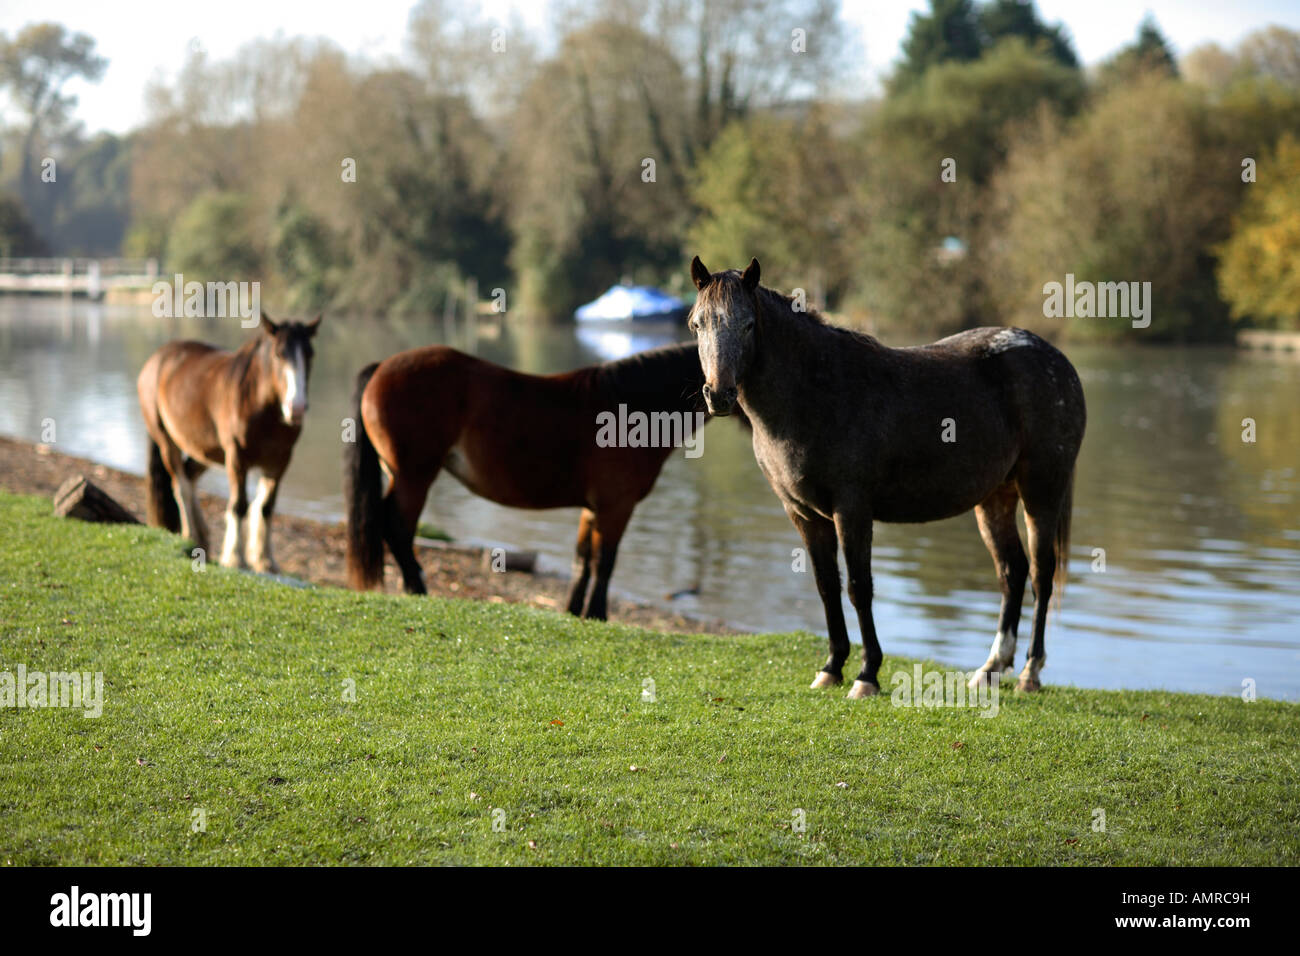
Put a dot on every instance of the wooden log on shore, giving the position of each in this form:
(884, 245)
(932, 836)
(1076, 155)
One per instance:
(80, 498)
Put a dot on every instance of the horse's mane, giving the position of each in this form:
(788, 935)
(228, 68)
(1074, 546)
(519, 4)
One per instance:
(726, 290)
(238, 367)
(777, 303)
(669, 375)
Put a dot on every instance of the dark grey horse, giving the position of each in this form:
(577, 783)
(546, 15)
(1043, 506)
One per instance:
(849, 431)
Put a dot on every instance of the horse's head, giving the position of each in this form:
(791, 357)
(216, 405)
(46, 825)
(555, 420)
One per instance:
(723, 320)
(291, 353)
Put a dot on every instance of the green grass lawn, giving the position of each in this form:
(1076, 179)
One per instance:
(489, 733)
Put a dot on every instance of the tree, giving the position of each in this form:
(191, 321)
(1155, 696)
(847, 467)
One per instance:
(215, 240)
(90, 210)
(1273, 51)
(423, 213)
(34, 68)
(1152, 49)
(1210, 66)
(1148, 53)
(959, 31)
(735, 56)
(17, 237)
(1140, 188)
(365, 189)
(598, 169)
(1000, 19)
(949, 32)
(781, 190)
(962, 110)
(1259, 269)
(959, 118)
(484, 61)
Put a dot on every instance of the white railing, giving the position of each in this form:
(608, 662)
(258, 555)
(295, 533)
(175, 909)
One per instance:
(72, 276)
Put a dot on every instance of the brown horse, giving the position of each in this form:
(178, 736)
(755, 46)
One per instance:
(848, 431)
(525, 441)
(205, 407)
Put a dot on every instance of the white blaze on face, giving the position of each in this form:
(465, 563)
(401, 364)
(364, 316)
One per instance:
(294, 403)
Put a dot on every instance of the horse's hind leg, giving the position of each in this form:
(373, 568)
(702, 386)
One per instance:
(996, 516)
(402, 507)
(1045, 504)
(581, 563)
(192, 471)
(185, 474)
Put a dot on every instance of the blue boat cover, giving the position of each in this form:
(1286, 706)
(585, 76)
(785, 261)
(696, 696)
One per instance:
(626, 302)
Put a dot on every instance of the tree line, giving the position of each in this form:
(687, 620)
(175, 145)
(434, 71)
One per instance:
(990, 164)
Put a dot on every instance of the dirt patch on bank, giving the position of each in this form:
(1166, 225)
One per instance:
(314, 550)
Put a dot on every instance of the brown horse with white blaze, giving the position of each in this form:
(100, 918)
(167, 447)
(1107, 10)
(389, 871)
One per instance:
(205, 407)
(524, 441)
(848, 431)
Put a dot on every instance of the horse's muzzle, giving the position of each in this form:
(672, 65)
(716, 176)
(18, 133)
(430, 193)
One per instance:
(720, 401)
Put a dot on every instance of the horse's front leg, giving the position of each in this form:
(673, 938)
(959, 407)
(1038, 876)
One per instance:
(611, 522)
(855, 533)
(232, 553)
(581, 563)
(819, 537)
(259, 525)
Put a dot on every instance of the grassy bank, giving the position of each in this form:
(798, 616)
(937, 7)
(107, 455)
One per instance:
(226, 693)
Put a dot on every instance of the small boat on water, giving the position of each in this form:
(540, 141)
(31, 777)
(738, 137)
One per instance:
(629, 319)
(632, 303)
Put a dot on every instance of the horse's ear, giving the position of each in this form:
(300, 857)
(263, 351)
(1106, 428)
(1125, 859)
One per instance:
(314, 324)
(700, 274)
(269, 327)
(749, 278)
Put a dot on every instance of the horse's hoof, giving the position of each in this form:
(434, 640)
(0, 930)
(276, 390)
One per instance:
(1028, 685)
(862, 689)
(824, 679)
(983, 676)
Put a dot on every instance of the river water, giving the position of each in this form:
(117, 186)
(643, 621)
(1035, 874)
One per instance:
(1200, 529)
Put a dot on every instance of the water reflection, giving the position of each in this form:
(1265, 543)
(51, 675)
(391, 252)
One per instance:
(1200, 530)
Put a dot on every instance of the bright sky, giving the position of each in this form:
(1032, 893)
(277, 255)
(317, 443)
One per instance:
(148, 38)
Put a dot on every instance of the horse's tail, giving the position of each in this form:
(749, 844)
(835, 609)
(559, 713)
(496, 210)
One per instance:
(363, 491)
(160, 507)
(1062, 543)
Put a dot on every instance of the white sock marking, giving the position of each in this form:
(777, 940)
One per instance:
(230, 546)
(259, 540)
